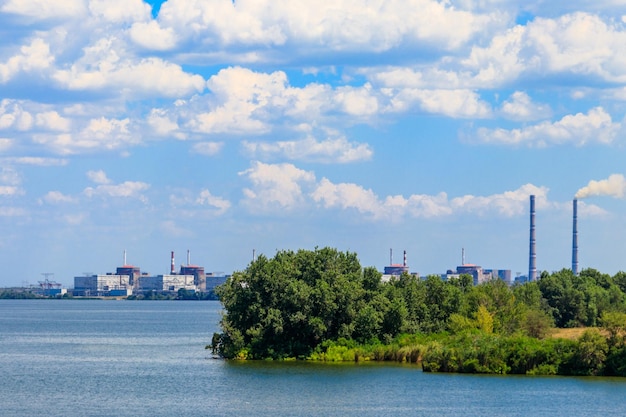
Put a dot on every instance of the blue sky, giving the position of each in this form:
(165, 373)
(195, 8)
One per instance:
(224, 127)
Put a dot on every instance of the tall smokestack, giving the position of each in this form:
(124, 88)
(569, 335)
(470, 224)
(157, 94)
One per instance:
(532, 258)
(390, 256)
(173, 267)
(188, 258)
(404, 264)
(575, 238)
(124, 258)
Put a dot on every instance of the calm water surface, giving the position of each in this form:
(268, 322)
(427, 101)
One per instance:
(147, 358)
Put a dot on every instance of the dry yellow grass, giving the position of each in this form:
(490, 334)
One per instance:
(571, 334)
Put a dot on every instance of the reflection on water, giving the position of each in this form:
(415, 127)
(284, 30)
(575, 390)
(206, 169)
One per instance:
(147, 358)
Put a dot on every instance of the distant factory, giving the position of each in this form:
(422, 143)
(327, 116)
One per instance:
(480, 274)
(477, 272)
(129, 280)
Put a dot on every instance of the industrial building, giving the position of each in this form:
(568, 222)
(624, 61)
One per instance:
(166, 283)
(111, 285)
(129, 280)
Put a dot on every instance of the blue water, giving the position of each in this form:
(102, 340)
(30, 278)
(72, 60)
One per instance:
(147, 358)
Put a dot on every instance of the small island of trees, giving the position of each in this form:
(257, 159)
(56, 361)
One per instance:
(323, 305)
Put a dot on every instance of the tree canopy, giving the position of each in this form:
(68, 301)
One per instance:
(296, 303)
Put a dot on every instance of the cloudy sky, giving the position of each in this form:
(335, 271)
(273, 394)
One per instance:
(223, 127)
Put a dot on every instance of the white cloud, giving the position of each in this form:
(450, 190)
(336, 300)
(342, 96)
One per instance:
(457, 103)
(353, 196)
(37, 161)
(275, 186)
(326, 25)
(53, 121)
(356, 101)
(243, 98)
(151, 35)
(613, 186)
(508, 204)
(520, 106)
(99, 177)
(208, 148)
(57, 197)
(43, 9)
(104, 67)
(10, 190)
(331, 150)
(207, 199)
(578, 129)
(14, 116)
(32, 57)
(163, 124)
(9, 176)
(577, 43)
(394, 208)
(581, 43)
(120, 11)
(127, 189)
(98, 134)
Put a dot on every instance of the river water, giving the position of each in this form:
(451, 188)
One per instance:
(147, 358)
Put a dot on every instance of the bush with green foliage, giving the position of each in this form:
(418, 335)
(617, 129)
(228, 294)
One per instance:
(323, 305)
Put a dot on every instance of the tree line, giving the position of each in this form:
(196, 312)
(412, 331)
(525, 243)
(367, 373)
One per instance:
(322, 304)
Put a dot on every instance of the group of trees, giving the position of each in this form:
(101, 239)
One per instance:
(298, 304)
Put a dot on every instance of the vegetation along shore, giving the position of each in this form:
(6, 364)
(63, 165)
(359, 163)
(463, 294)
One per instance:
(322, 305)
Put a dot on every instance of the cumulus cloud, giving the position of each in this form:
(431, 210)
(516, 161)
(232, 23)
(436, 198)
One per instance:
(120, 11)
(99, 177)
(151, 35)
(578, 129)
(519, 106)
(164, 124)
(576, 43)
(218, 204)
(127, 189)
(243, 100)
(105, 67)
(10, 190)
(613, 186)
(353, 196)
(331, 150)
(14, 116)
(335, 25)
(57, 197)
(456, 103)
(34, 56)
(42, 9)
(51, 120)
(98, 134)
(275, 186)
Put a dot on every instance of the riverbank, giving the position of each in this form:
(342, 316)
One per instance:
(593, 353)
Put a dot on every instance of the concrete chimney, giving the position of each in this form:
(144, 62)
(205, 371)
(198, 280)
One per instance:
(173, 265)
(575, 237)
(532, 258)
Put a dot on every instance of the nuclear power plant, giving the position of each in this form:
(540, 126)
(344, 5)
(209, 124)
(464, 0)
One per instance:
(129, 280)
(532, 258)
